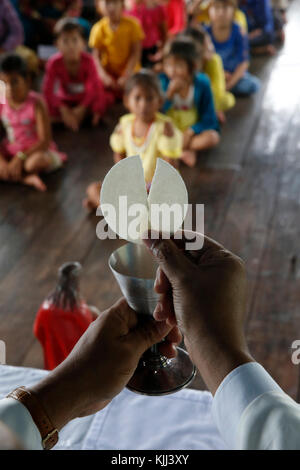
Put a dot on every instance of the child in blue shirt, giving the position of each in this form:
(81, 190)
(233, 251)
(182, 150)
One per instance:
(233, 48)
(260, 25)
(188, 99)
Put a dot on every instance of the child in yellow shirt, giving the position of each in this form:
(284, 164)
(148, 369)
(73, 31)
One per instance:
(116, 41)
(144, 131)
(212, 65)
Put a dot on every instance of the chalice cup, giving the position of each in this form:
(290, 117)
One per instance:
(135, 270)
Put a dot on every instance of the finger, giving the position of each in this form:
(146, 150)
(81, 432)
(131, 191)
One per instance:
(147, 334)
(174, 336)
(121, 319)
(162, 283)
(168, 349)
(165, 309)
(169, 257)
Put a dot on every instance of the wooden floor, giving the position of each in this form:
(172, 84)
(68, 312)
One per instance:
(250, 186)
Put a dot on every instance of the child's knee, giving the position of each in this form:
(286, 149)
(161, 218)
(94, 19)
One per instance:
(37, 162)
(214, 137)
(93, 189)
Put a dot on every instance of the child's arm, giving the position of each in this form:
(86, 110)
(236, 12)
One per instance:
(43, 130)
(162, 25)
(242, 52)
(237, 75)
(118, 156)
(214, 69)
(117, 143)
(4, 172)
(170, 144)
(51, 76)
(134, 58)
(107, 79)
(94, 96)
(205, 107)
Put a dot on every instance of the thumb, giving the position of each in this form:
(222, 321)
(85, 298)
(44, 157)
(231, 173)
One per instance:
(170, 258)
(148, 333)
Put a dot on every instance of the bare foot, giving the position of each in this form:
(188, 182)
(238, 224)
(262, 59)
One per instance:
(189, 157)
(221, 117)
(95, 120)
(92, 201)
(89, 205)
(35, 181)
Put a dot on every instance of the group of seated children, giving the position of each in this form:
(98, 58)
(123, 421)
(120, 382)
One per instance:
(193, 72)
(176, 105)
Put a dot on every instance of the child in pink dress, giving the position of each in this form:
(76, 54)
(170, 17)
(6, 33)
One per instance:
(80, 90)
(27, 148)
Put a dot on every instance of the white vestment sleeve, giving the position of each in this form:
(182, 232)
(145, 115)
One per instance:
(272, 421)
(18, 419)
(238, 389)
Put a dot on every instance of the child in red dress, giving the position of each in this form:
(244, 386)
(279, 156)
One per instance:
(80, 89)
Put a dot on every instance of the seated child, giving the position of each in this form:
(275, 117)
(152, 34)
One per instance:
(80, 90)
(188, 99)
(144, 131)
(260, 25)
(213, 67)
(199, 12)
(116, 41)
(232, 46)
(153, 20)
(28, 148)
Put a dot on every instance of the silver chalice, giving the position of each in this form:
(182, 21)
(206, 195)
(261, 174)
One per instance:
(135, 269)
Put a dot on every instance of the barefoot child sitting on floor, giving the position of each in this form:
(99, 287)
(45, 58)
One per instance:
(116, 41)
(212, 65)
(143, 132)
(80, 90)
(27, 149)
(232, 45)
(189, 99)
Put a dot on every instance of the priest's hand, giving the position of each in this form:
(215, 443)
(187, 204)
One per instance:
(204, 292)
(101, 363)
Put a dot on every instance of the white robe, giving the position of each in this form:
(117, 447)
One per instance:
(253, 413)
(249, 408)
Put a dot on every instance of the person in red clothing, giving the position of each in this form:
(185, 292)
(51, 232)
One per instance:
(62, 318)
(80, 90)
(153, 20)
(175, 11)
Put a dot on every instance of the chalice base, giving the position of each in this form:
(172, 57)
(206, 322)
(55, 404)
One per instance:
(156, 375)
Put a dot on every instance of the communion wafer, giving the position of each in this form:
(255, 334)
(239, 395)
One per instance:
(128, 210)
